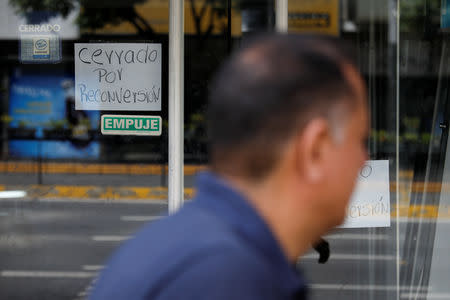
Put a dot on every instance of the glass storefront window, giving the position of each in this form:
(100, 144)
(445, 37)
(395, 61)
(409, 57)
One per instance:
(363, 261)
(423, 139)
(69, 195)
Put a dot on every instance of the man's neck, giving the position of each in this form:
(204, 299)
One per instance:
(293, 228)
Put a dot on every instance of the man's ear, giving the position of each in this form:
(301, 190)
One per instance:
(313, 145)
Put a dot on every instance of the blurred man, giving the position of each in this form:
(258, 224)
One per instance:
(288, 125)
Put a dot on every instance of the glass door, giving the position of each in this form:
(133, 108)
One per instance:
(83, 156)
(363, 262)
(424, 111)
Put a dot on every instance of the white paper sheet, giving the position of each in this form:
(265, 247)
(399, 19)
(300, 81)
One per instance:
(370, 202)
(118, 76)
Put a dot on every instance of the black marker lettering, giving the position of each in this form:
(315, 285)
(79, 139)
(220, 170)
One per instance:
(129, 61)
(109, 55)
(153, 55)
(119, 57)
(79, 56)
(96, 53)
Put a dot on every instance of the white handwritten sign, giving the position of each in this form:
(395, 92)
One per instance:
(118, 76)
(370, 204)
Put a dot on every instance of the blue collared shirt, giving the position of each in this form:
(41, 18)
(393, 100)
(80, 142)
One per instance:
(216, 247)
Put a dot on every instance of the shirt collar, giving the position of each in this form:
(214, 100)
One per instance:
(216, 195)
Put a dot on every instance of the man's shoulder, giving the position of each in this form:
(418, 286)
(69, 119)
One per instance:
(185, 243)
(193, 227)
(219, 273)
(187, 232)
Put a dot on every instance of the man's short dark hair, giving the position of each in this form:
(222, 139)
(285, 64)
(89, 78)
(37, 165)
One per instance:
(267, 92)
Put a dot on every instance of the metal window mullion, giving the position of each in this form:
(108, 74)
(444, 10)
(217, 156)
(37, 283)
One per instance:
(281, 18)
(176, 104)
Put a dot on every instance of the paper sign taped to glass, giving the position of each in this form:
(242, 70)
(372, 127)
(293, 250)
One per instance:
(370, 203)
(118, 76)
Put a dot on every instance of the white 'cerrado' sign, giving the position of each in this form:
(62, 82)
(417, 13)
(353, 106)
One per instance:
(118, 76)
(370, 205)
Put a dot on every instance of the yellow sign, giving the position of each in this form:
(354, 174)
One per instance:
(200, 17)
(315, 16)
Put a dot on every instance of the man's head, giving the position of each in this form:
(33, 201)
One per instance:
(296, 101)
